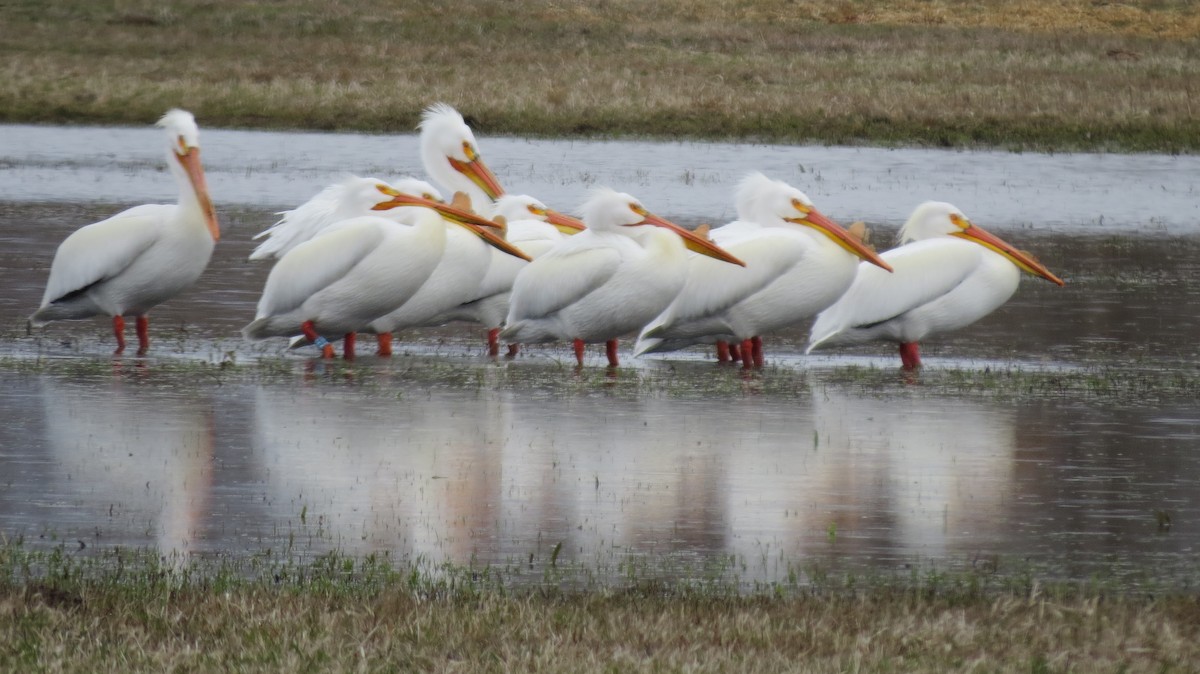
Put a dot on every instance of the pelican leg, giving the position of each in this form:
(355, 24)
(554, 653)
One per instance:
(348, 348)
(310, 333)
(513, 350)
(735, 351)
(119, 331)
(910, 355)
(747, 354)
(143, 334)
(494, 342)
(578, 344)
(610, 348)
(384, 340)
(722, 351)
(756, 342)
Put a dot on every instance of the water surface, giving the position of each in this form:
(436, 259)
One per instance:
(442, 454)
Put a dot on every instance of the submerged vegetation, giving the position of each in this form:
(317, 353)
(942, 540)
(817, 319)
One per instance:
(1020, 74)
(132, 611)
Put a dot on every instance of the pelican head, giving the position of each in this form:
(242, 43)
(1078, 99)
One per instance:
(608, 210)
(449, 150)
(183, 141)
(774, 203)
(515, 207)
(938, 218)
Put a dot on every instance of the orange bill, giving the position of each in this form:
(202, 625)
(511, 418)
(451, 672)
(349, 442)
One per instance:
(691, 241)
(820, 222)
(495, 241)
(190, 161)
(478, 172)
(565, 223)
(973, 232)
(447, 211)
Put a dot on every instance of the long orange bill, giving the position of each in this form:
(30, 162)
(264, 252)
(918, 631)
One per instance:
(976, 233)
(818, 221)
(565, 223)
(693, 242)
(195, 173)
(497, 242)
(479, 174)
(447, 211)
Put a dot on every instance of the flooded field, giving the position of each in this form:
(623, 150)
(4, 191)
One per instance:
(1060, 434)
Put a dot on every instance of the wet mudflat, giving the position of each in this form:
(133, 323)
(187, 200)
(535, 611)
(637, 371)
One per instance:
(1061, 433)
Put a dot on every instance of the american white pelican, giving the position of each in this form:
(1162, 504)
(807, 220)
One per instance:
(450, 155)
(350, 197)
(797, 263)
(140, 257)
(949, 273)
(606, 281)
(526, 227)
(353, 272)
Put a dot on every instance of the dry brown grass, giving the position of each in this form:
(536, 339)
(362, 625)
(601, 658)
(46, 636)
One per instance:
(1073, 73)
(262, 630)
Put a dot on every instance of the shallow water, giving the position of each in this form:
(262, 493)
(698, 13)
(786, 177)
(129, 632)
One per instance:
(694, 182)
(474, 464)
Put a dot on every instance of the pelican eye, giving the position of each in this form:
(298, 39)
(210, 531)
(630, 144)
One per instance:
(427, 195)
(387, 190)
(536, 210)
(183, 146)
(804, 208)
(960, 221)
(469, 151)
(639, 209)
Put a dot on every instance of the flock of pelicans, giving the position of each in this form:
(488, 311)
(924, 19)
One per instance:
(370, 256)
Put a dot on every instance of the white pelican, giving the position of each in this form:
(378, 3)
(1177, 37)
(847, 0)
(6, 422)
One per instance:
(355, 197)
(606, 281)
(350, 197)
(450, 155)
(797, 263)
(527, 227)
(142, 256)
(949, 273)
(353, 272)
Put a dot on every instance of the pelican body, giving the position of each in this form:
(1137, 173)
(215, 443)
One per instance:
(797, 263)
(606, 281)
(949, 273)
(337, 282)
(140, 257)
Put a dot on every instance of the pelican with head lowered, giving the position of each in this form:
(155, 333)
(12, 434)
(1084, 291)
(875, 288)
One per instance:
(357, 270)
(949, 273)
(798, 261)
(606, 281)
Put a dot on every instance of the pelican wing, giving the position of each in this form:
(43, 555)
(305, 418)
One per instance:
(99, 251)
(713, 286)
(924, 271)
(559, 279)
(319, 262)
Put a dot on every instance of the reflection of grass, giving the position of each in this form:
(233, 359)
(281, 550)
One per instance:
(132, 611)
(1012, 73)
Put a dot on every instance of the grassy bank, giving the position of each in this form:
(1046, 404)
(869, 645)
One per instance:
(1010, 73)
(128, 612)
